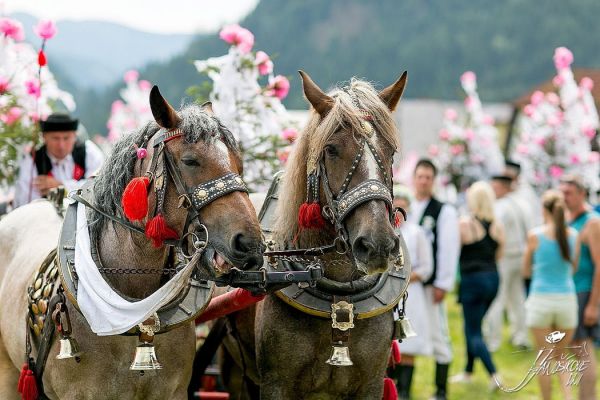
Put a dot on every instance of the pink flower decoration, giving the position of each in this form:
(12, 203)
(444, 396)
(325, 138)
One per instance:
(238, 36)
(444, 134)
(131, 76)
(284, 153)
(537, 97)
(522, 148)
(264, 63)
(433, 150)
(556, 171)
(477, 158)
(457, 149)
(4, 85)
(279, 87)
(594, 156)
(553, 98)
(558, 80)
(540, 140)
(450, 114)
(554, 120)
(144, 84)
(468, 77)
(12, 115)
(469, 102)
(589, 131)
(33, 88)
(587, 83)
(488, 120)
(12, 29)
(529, 110)
(46, 29)
(469, 134)
(563, 58)
(289, 134)
(116, 106)
(575, 159)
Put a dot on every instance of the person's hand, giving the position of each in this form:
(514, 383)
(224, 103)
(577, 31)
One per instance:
(44, 183)
(590, 315)
(438, 295)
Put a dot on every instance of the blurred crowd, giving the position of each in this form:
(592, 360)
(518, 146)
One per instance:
(512, 256)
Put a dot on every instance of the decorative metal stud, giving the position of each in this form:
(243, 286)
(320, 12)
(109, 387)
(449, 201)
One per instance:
(202, 194)
(220, 185)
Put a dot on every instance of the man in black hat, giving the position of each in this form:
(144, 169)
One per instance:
(63, 160)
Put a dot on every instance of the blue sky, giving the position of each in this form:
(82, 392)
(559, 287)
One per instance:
(173, 16)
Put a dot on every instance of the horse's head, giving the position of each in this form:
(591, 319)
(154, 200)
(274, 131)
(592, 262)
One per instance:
(190, 186)
(346, 154)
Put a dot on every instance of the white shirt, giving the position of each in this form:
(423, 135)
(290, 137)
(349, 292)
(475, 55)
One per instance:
(62, 170)
(448, 242)
(419, 249)
(517, 218)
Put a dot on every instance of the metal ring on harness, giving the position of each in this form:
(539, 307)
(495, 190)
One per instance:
(199, 245)
(341, 245)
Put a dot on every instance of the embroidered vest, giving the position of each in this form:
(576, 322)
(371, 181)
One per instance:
(429, 222)
(44, 165)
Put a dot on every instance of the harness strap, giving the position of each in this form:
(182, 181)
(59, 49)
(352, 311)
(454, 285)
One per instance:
(76, 195)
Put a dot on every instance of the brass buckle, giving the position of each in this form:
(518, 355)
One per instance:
(341, 307)
(399, 261)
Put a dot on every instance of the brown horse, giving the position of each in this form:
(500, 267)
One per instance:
(284, 350)
(204, 151)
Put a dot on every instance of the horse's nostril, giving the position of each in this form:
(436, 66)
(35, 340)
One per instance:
(363, 248)
(241, 243)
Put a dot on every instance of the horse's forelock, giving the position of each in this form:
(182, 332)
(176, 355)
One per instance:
(313, 139)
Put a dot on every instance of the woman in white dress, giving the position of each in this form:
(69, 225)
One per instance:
(421, 258)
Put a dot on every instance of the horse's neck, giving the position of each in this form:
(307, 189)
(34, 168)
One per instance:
(121, 248)
(336, 267)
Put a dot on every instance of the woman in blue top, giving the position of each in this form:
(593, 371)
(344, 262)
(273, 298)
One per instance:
(552, 303)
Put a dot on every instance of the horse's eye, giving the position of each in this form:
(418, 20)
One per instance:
(331, 151)
(190, 162)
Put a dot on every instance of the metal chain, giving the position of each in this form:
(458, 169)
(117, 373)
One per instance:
(139, 271)
(307, 261)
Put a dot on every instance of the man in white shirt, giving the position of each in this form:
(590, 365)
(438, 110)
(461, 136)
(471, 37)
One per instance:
(516, 217)
(440, 222)
(61, 161)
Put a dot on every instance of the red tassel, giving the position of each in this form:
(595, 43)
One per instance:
(389, 389)
(42, 58)
(135, 198)
(309, 216)
(396, 355)
(397, 219)
(30, 390)
(158, 231)
(24, 370)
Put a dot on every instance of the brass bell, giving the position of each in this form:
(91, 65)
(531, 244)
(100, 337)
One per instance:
(69, 348)
(145, 358)
(340, 356)
(406, 329)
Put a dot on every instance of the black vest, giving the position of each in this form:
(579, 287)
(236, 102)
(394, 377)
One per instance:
(44, 165)
(432, 211)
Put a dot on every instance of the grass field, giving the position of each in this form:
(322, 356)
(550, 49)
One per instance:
(512, 366)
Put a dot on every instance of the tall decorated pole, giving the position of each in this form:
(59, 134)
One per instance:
(557, 130)
(28, 91)
(253, 113)
(468, 150)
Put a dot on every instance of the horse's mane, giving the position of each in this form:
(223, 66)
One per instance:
(119, 167)
(311, 142)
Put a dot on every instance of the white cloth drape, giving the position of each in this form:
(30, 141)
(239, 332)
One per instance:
(106, 311)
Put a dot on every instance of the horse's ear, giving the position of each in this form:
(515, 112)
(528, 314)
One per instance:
(207, 106)
(391, 94)
(315, 96)
(163, 113)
